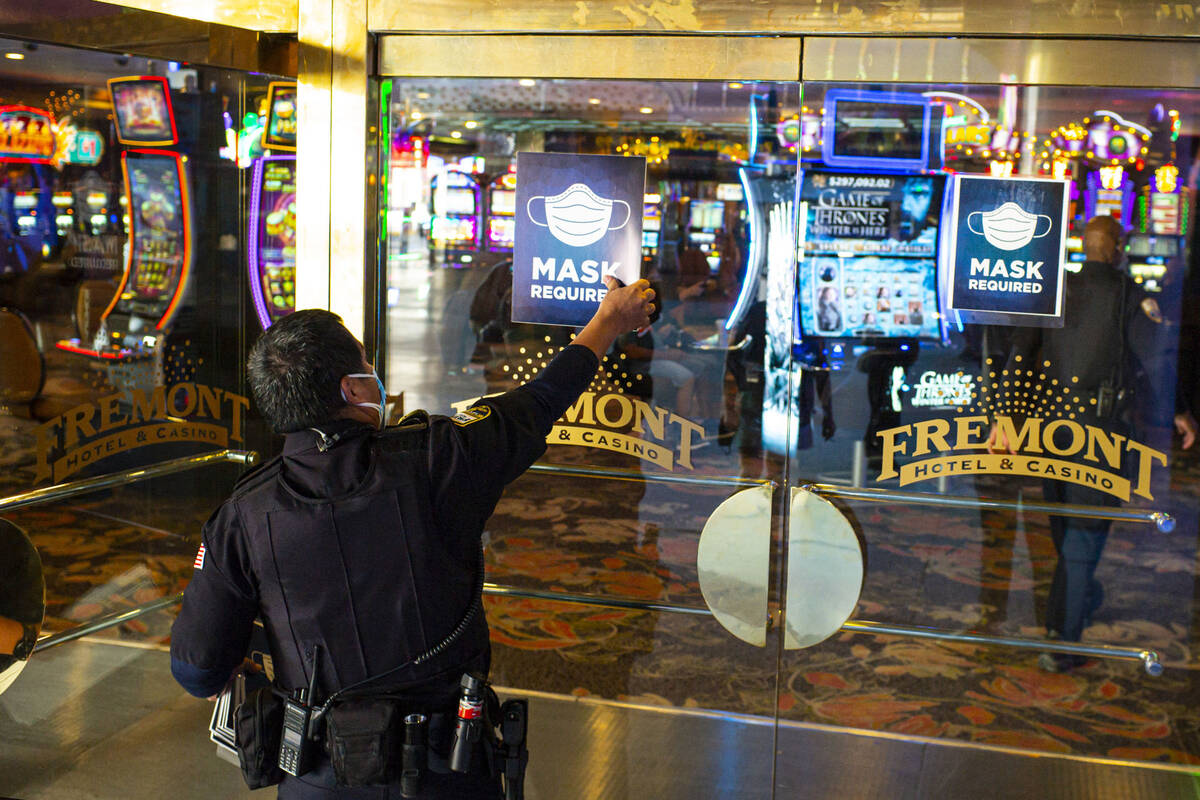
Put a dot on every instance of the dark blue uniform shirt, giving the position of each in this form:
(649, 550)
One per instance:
(369, 548)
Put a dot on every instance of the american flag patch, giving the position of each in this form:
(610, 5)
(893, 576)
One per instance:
(199, 562)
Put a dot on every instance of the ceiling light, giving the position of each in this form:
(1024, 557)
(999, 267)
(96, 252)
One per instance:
(594, 101)
(646, 110)
(527, 82)
(423, 95)
(456, 134)
(15, 56)
(470, 124)
(734, 85)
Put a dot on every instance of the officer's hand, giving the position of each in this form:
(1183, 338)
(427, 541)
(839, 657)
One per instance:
(628, 307)
(624, 308)
(1185, 425)
(246, 666)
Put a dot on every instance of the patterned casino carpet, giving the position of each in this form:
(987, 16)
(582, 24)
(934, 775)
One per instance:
(951, 570)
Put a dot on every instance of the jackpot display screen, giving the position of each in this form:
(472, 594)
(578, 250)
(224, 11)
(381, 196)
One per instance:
(159, 222)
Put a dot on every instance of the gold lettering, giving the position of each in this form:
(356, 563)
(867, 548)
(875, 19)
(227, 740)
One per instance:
(210, 401)
(47, 439)
(238, 404)
(1146, 455)
(190, 399)
(583, 410)
(145, 411)
(687, 429)
(657, 418)
(1110, 448)
(968, 427)
(108, 413)
(1078, 437)
(890, 448)
(78, 420)
(1029, 430)
(626, 409)
(932, 431)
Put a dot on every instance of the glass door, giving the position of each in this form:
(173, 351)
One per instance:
(638, 562)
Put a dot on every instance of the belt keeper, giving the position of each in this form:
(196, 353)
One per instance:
(412, 754)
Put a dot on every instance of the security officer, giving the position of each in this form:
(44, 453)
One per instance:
(367, 542)
(1091, 355)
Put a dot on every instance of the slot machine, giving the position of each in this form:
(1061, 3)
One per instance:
(455, 228)
(502, 209)
(29, 226)
(651, 225)
(159, 223)
(272, 237)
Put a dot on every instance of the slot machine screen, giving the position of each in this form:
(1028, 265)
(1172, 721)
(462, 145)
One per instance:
(868, 296)
(501, 231)
(142, 111)
(504, 201)
(159, 245)
(870, 254)
(280, 131)
(706, 215)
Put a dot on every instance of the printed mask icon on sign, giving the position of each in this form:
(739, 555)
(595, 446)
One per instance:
(577, 217)
(1009, 227)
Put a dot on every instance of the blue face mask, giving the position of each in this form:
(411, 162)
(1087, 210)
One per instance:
(381, 406)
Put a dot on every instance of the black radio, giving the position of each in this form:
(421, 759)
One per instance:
(296, 745)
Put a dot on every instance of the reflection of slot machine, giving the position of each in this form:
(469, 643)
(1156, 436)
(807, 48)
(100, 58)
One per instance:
(705, 218)
(502, 208)
(159, 224)
(272, 251)
(1149, 258)
(651, 224)
(456, 219)
(272, 245)
(876, 279)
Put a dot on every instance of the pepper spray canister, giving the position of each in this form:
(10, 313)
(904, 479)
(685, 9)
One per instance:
(468, 726)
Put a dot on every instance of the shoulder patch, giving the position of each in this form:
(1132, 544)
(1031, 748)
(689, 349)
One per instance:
(471, 415)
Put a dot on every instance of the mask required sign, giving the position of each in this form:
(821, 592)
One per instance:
(1005, 257)
(578, 218)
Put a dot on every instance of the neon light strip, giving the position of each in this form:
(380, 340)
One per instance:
(1122, 121)
(70, 347)
(129, 249)
(256, 289)
(754, 264)
(962, 98)
(166, 89)
(186, 216)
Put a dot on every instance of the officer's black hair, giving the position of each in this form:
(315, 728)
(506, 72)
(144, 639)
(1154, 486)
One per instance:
(296, 369)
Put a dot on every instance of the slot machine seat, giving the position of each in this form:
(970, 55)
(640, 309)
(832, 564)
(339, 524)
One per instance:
(23, 369)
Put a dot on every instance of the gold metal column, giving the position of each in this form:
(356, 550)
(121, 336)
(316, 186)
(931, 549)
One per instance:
(331, 172)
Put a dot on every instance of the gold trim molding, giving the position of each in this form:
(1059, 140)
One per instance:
(1157, 64)
(766, 58)
(1021, 18)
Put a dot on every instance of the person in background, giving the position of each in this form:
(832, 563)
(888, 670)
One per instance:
(1092, 353)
